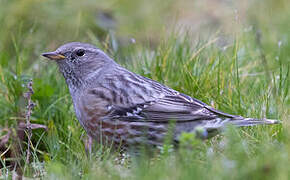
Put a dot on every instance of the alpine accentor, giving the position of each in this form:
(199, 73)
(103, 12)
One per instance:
(118, 106)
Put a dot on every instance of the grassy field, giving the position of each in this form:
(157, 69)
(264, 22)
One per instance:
(233, 56)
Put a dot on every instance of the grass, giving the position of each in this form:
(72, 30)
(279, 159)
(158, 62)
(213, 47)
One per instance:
(245, 72)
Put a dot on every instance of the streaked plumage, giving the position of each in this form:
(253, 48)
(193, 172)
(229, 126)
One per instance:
(117, 106)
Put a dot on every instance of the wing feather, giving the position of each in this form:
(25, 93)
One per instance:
(179, 108)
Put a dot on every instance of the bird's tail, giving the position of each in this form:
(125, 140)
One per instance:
(211, 128)
(240, 121)
(237, 121)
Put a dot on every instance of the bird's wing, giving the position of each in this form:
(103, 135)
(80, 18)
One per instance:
(178, 107)
(130, 97)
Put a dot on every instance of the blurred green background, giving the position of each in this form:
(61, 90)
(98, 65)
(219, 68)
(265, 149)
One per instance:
(233, 55)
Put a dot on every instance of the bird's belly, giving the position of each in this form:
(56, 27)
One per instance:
(115, 132)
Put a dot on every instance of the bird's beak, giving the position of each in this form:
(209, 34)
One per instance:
(53, 56)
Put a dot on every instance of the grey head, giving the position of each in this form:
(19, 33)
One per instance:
(78, 62)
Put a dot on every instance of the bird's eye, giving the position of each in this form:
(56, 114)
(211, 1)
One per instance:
(80, 52)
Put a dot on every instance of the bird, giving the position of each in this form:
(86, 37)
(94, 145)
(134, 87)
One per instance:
(118, 107)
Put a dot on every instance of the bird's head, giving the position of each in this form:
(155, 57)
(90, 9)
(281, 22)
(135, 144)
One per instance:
(79, 61)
